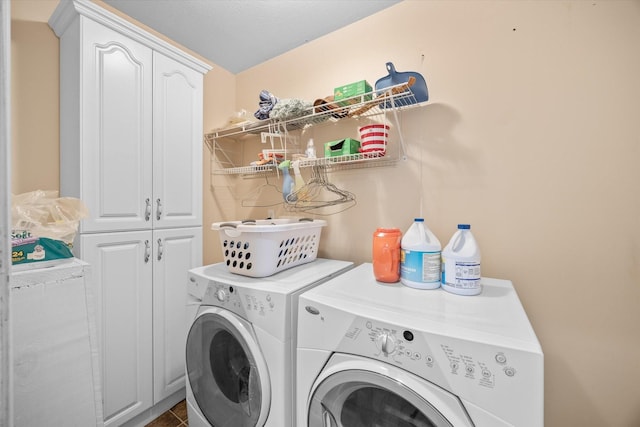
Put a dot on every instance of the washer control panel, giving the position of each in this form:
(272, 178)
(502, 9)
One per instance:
(439, 358)
(222, 295)
(240, 301)
(244, 302)
(265, 309)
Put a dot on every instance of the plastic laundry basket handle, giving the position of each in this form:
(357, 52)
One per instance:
(228, 225)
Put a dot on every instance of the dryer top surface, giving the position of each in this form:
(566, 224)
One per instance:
(284, 282)
(496, 316)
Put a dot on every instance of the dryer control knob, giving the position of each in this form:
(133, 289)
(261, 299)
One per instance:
(387, 343)
(221, 295)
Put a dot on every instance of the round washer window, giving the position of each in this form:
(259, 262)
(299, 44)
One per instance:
(363, 399)
(223, 374)
(230, 366)
(372, 406)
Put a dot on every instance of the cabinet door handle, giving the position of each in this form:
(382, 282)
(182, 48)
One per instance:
(147, 251)
(160, 249)
(158, 209)
(147, 209)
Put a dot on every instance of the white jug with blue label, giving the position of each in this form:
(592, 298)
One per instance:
(461, 263)
(420, 257)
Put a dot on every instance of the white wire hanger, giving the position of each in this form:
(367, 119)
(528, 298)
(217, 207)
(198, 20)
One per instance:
(318, 193)
(265, 195)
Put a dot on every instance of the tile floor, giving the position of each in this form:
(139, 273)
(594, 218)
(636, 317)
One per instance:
(174, 417)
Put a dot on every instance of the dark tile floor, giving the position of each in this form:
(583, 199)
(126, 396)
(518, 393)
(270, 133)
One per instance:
(174, 417)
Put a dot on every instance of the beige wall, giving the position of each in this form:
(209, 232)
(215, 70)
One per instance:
(35, 96)
(531, 135)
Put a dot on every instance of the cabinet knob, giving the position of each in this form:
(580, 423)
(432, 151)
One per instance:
(160, 249)
(147, 251)
(147, 209)
(158, 209)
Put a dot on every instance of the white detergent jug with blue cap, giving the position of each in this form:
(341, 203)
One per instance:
(420, 257)
(461, 263)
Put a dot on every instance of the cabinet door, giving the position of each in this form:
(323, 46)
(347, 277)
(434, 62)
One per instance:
(116, 130)
(177, 144)
(175, 252)
(122, 280)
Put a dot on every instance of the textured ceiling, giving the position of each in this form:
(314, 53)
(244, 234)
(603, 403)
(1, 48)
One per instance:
(238, 34)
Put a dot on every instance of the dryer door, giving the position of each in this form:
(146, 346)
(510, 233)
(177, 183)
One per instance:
(227, 372)
(354, 391)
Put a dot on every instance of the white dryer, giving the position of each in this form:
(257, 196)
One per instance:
(240, 355)
(386, 355)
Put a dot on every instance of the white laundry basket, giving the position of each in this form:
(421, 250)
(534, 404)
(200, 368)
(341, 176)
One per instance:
(260, 248)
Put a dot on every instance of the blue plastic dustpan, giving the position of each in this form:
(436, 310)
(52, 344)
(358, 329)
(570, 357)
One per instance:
(419, 88)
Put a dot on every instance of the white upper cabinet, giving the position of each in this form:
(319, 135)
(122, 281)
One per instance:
(114, 174)
(131, 123)
(177, 144)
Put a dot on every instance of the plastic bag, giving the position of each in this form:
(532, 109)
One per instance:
(44, 214)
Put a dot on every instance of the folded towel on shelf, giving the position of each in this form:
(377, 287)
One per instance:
(266, 104)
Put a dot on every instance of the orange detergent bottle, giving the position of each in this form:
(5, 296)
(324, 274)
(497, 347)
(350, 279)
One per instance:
(386, 254)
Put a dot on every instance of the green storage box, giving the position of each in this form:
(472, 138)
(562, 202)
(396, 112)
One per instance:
(353, 89)
(341, 147)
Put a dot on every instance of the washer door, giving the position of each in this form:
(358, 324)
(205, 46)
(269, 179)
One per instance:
(357, 392)
(227, 372)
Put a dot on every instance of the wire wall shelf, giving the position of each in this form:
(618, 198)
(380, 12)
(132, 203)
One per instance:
(371, 104)
(350, 161)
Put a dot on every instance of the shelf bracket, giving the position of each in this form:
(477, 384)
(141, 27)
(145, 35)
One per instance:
(270, 135)
(402, 146)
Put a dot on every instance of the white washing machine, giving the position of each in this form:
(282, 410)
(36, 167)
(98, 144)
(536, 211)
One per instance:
(240, 355)
(386, 355)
